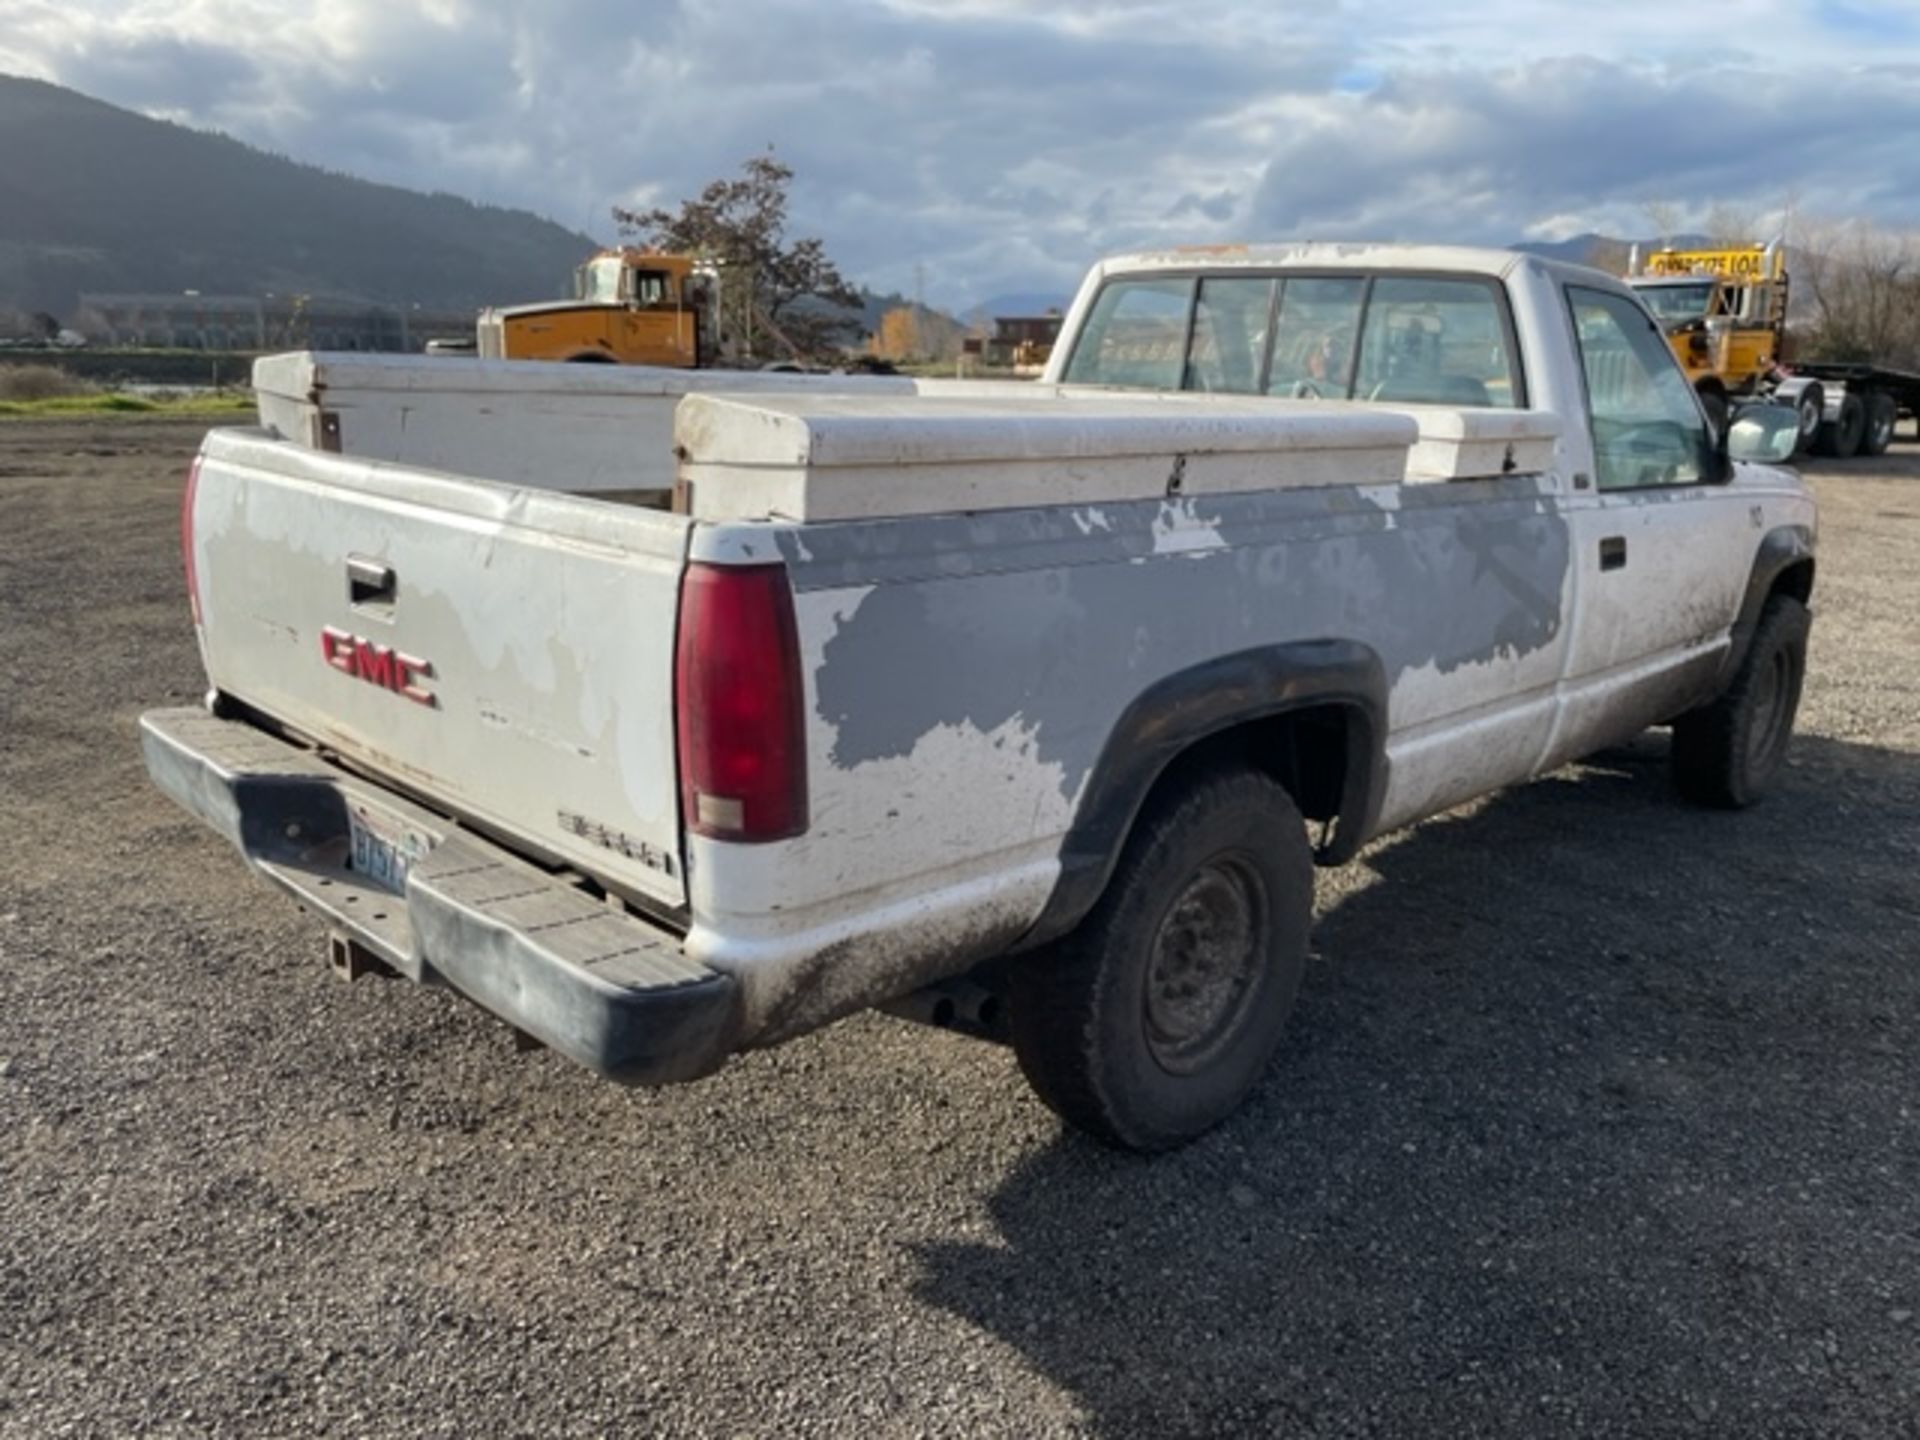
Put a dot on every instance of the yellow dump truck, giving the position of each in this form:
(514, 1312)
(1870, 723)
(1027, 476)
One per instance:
(629, 307)
(1724, 311)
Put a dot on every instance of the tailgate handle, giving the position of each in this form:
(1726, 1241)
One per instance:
(369, 581)
(1613, 552)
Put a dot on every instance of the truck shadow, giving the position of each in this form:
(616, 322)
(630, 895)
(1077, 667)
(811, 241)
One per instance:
(1582, 1123)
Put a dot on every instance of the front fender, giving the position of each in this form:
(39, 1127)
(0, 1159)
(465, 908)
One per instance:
(1781, 550)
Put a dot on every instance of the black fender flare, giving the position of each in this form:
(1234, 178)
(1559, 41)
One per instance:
(1189, 706)
(1782, 548)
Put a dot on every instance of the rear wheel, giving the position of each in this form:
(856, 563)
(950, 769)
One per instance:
(1881, 413)
(1151, 1022)
(1808, 406)
(1727, 753)
(1840, 437)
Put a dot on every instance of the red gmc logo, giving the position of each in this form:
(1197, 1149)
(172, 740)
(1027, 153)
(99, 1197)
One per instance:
(380, 665)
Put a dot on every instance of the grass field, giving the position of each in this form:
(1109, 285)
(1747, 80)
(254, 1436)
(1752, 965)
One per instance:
(42, 391)
(116, 402)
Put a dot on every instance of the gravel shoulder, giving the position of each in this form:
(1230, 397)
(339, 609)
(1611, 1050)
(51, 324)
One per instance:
(1597, 1115)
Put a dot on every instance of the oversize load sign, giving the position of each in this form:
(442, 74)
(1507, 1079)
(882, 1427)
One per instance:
(1733, 264)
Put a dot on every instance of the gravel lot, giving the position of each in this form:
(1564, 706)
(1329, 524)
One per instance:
(1598, 1116)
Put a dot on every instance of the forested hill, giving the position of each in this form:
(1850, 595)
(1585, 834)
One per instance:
(93, 197)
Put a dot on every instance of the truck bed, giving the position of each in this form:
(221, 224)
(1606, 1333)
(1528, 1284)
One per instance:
(619, 434)
(1903, 385)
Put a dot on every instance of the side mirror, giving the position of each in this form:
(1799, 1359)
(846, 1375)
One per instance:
(1766, 433)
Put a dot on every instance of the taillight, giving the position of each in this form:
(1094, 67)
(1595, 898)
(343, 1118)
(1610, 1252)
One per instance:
(738, 704)
(186, 536)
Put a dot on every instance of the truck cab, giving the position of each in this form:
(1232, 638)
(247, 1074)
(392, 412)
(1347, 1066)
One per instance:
(1724, 312)
(629, 307)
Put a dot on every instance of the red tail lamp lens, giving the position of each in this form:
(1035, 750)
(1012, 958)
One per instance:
(739, 704)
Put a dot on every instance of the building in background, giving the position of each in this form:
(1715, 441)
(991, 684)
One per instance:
(190, 321)
(1023, 341)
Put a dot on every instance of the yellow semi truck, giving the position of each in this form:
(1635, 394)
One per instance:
(629, 307)
(1724, 311)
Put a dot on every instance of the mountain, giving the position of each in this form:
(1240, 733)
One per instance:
(1603, 252)
(1575, 250)
(1031, 303)
(93, 197)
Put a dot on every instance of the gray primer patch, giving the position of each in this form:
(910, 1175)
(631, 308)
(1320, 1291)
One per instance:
(1455, 575)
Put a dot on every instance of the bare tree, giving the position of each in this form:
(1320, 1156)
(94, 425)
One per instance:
(1664, 216)
(1728, 225)
(740, 224)
(1858, 288)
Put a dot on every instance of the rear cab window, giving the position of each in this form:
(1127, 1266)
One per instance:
(1315, 333)
(1230, 317)
(1414, 339)
(1136, 335)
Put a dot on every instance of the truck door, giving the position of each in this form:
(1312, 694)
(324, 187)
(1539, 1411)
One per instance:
(1660, 546)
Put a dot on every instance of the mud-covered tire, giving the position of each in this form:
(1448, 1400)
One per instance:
(1882, 413)
(1726, 754)
(1150, 1023)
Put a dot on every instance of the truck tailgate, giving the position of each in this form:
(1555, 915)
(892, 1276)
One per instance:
(503, 654)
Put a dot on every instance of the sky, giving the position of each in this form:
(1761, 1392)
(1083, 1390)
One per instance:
(981, 147)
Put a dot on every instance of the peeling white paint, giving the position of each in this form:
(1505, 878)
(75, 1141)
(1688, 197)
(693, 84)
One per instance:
(1178, 530)
(1091, 519)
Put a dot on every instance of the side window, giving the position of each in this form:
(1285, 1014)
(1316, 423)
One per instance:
(1229, 335)
(1313, 337)
(1647, 428)
(1434, 342)
(1136, 334)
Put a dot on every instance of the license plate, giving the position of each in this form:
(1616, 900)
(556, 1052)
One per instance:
(380, 850)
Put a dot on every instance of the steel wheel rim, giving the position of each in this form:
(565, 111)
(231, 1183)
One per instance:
(1772, 691)
(1202, 964)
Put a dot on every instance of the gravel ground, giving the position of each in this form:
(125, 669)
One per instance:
(1597, 1116)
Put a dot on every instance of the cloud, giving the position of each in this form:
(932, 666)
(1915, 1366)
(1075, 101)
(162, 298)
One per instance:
(1002, 145)
(1583, 144)
(1219, 206)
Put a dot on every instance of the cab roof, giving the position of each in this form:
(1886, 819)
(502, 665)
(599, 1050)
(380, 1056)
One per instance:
(1340, 255)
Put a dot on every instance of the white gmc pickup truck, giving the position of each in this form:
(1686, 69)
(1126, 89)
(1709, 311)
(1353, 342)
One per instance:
(667, 714)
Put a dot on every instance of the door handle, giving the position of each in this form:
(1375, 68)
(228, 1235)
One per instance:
(369, 582)
(1613, 552)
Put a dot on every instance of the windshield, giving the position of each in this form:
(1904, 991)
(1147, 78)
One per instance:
(1677, 302)
(600, 280)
